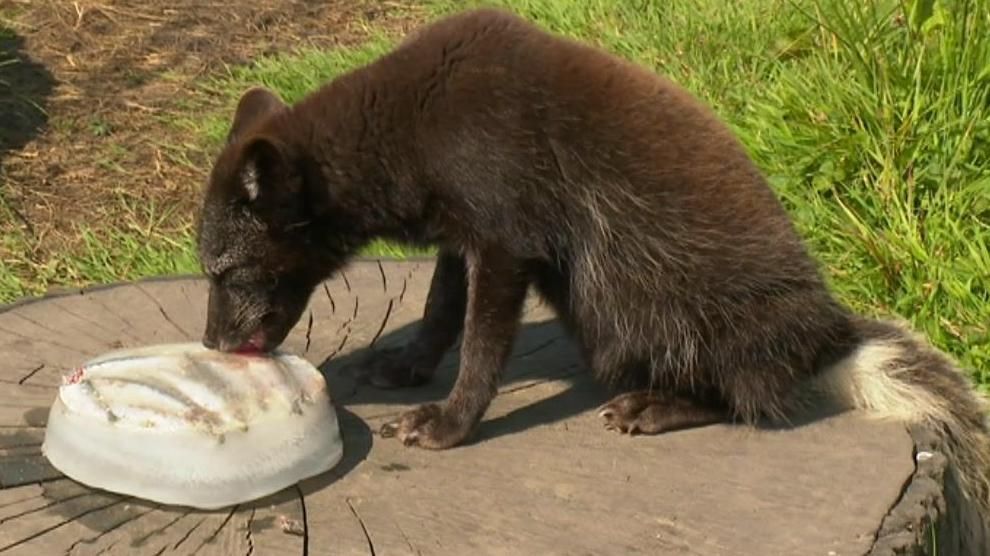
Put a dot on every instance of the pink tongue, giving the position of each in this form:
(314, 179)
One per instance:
(253, 345)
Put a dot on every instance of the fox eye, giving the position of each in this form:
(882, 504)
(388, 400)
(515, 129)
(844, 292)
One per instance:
(251, 280)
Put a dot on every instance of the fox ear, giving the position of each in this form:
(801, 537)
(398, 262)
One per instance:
(255, 104)
(266, 170)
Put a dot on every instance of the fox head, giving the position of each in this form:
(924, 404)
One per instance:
(262, 234)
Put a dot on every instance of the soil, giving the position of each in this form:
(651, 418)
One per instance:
(88, 89)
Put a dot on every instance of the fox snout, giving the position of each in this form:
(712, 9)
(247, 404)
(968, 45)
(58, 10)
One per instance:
(252, 319)
(230, 327)
(254, 344)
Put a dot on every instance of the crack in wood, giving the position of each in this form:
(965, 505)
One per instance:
(188, 534)
(309, 331)
(364, 528)
(22, 438)
(402, 293)
(31, 384)
(388, 313)
(333, 304)
(381, 270)
(405, 537)
(305, 520)
(108, 547)
(19, 501)
(62, 523)
(36, 466)
(175, 325)
(247, 536)
(20, 449)
(95, 323)
(343, 341)
(93, 540)
(346, 324)
(20, 453)
(185, 294)
(38, 482)
(128, 325)
(46, 506)
(30, 374)
(162, 310)
(347, 283)
(354, 316)
(42, 342)
(900, 496)
(141, 540)
(83, 331)
(210, 539)
(53, 332)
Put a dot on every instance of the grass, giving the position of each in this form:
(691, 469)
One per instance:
(149, 241)
(872, 121)
(292, 76)
(11, 238)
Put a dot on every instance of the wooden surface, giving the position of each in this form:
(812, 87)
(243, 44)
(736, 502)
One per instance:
(542, 476)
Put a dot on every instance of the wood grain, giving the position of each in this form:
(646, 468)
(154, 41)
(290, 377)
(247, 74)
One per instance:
(541, 477)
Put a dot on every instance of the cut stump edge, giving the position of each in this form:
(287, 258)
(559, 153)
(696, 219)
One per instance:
(930, 516)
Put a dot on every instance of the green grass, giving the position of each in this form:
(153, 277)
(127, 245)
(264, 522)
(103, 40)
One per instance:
(872, 121)
(12, 239)
(148, 241)
(292, 76)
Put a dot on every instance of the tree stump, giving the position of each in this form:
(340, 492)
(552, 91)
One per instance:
(541, 477)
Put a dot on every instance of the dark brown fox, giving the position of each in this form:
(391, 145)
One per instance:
(534, 160)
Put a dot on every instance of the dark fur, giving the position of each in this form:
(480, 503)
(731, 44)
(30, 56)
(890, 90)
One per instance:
(533, 160)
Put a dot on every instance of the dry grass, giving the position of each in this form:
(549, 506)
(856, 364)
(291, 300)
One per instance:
(96, 159)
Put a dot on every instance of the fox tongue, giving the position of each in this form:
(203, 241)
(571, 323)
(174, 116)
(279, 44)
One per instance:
(253, 345)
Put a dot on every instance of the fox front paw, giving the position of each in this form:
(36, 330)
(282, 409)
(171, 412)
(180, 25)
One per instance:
(429, 426)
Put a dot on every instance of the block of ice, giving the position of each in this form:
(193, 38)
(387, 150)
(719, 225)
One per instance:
(181, 424)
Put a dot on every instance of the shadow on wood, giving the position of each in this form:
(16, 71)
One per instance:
(343, 374)
(541, 477)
